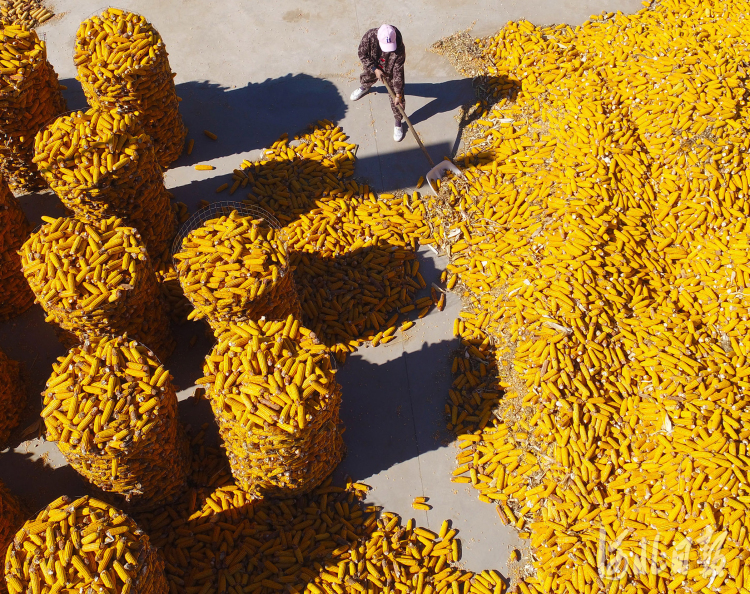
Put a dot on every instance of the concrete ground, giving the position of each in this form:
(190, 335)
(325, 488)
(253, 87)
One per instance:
(250, 71)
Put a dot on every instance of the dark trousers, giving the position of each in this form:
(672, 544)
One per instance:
(367, 79)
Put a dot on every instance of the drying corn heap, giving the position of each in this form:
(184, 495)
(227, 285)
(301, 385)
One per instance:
(27, 13)
(235, 268)
(11, 519)
(325, 542)
(276, 400)
(83, 545)
(100, 164)
(12, 397)
(353, 254)
(112, 409)
(602, 243)
(29, 98)
(15, 295)
(123, 64)
(96, 279)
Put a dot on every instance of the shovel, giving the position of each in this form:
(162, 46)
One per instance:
(438, 170)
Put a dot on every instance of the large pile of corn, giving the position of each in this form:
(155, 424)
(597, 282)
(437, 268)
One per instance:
(12, 397)
(353, 253)
(601, 242)
(100, 164)
(83, 545)
(234, 268)
(29, 98)
(216, 539)
(123, 64)
(276, 400)
(11, 519)
(27, 13)
(96, 278)
(15, 295)
(112, 409)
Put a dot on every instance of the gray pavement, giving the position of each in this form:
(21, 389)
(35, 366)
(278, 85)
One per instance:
(250, 71)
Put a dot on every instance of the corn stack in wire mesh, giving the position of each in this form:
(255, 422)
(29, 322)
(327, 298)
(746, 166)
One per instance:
(15, 295)
(83, 545)
(100, 164)
(276, 400)
(112, 409)
(29, 98)
(234, 268)
(123, 63)
(12, 397)
(95, 278)
(11, 519)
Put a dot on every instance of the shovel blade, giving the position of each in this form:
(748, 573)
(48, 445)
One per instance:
(437, 172)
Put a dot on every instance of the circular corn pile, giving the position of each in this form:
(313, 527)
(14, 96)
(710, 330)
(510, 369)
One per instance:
(15, 295)
(112, 409)
(12, 396)
(29, 98)
(123, 64)
(276, 400)
(601, 243)
(11, 519)
(100, 164)
(235, 268)
(96, 279)
(83, 545)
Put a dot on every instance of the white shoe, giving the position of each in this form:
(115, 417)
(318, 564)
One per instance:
(398, 133)
(357, 94)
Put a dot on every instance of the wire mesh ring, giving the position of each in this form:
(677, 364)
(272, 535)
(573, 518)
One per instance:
(216, 210)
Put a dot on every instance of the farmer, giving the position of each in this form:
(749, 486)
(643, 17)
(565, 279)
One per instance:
(383, 54)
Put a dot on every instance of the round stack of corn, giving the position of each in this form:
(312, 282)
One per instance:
(12, 396)
(234, 268)
(29, 98)
(11, 518)
(100, 164)
(122, 63)
(96, 279)
(112, 409)
(84, 546)
(276, 400)
(15, 295)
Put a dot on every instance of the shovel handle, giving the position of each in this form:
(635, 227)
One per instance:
(408, 121)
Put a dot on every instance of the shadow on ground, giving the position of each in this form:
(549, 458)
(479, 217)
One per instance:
(36, 482)
(253, 116)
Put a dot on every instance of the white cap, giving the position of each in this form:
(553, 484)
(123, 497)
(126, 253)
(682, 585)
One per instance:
(387, 38)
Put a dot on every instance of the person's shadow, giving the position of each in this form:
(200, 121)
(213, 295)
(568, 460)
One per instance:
(448, 96)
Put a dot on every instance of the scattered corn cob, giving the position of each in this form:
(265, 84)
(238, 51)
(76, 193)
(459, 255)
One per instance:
(123, 64)
(12, 397)
(235, 268)
(277, 405)
(29, 98)
(11, 519)
(600, 242)
(15, 295)
(112, 409)
(100, 164)
(83, 545)
(95, 279)
(25, 13)
(325, 542)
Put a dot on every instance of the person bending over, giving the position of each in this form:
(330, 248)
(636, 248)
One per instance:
(383, 54)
